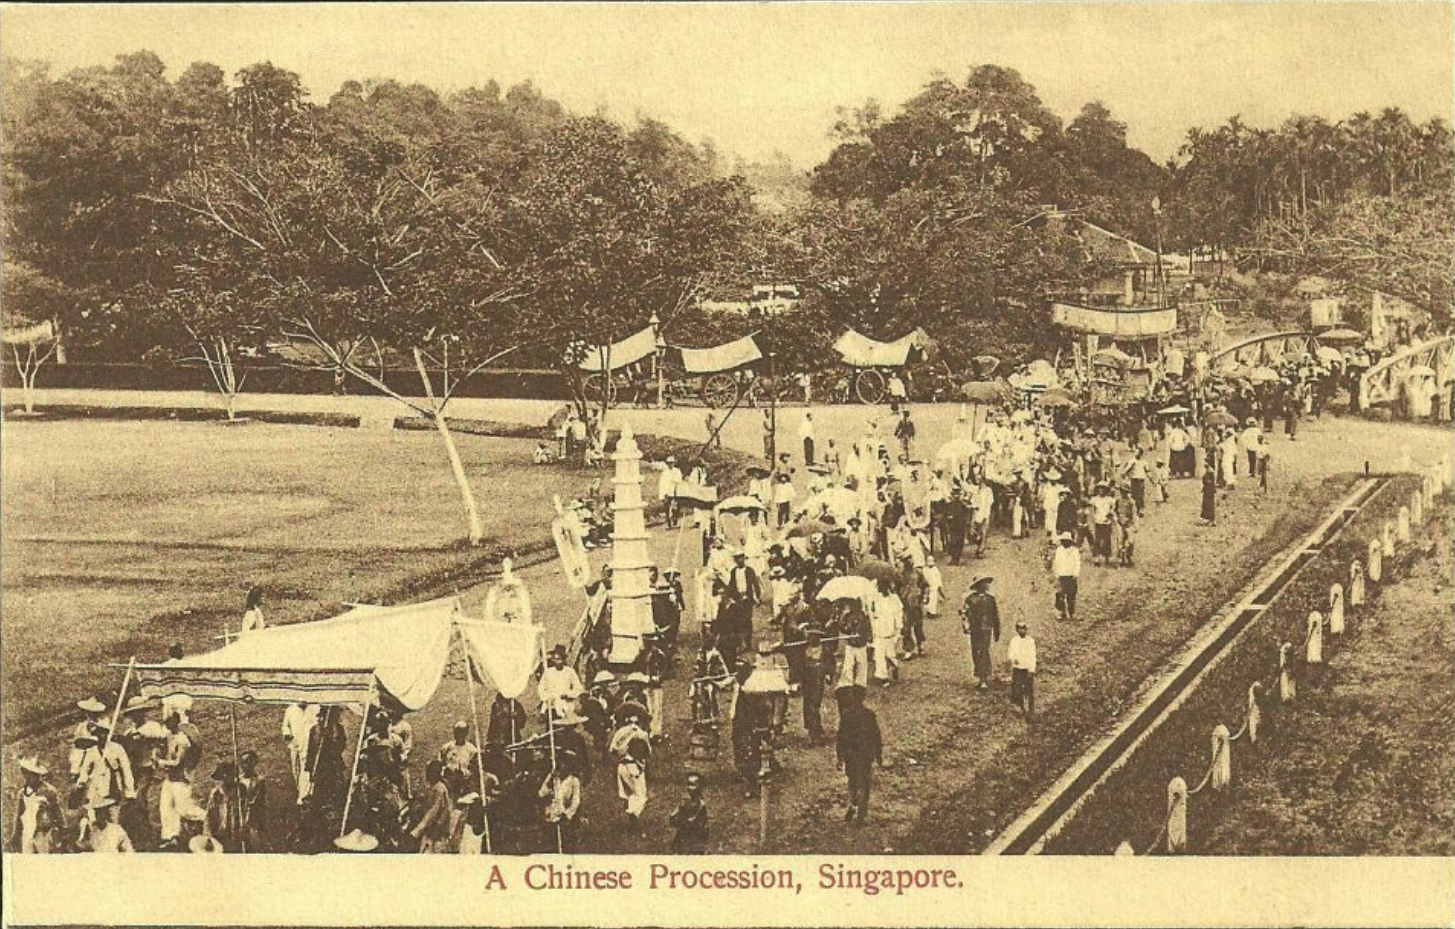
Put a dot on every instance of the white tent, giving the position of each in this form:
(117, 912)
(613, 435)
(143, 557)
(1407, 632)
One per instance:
(399, 650)
(351, 659)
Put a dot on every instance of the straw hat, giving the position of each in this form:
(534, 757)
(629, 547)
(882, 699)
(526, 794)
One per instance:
(467, 801)
(603, 677)
(138, 704)
(33, 765)
(356, 841)
(91, 705)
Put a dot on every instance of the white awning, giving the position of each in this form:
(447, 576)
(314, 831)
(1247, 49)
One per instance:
(724, 357)
(1128, 322)
(863, 352)
(620, 354)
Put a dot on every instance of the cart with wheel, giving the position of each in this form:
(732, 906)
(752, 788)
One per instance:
(873, 362)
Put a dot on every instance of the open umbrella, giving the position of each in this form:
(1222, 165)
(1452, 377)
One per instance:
(1420, 371)
(1055, 398)
(850, 587)
(805, 528)
(877, 570)
(984, 391)
(957, 450)
(561, 414)
(740, 504)
(1329, 354)
(1112, 355)
(1341, 335)
(1174, 410)
(1262, 375)
(758, 471)
(985, 365)
(1221, 418)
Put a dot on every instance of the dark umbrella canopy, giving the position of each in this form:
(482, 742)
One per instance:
(877, 570)
(985, 391)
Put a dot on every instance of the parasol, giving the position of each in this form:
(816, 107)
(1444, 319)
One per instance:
(1055, 397)
(1341, 335)
(1329, 354)
(1262, 375)
(1112, 355)
(877, 570)
(985, 365)
(740, 504)
(850, 587)
(1420, 371)
(958, 450)
(560, 416)
(1174, 410)
(1221, 418)
(807, 527)
(984, 391)
(758, 471)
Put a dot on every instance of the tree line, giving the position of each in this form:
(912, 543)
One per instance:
(388, 224)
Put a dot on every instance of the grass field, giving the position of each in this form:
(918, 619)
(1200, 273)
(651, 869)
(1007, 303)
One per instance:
(121, 537)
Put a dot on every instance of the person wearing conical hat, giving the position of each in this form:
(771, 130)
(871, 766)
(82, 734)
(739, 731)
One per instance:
(39, 815)
(980, 620)
(95, 711)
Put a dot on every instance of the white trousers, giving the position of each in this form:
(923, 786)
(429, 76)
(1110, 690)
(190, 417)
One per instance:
(175, 801)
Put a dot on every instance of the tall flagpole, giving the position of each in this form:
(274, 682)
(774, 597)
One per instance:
(551, 735)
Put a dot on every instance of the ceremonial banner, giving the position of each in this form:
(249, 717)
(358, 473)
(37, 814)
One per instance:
(1128, 322)
(506, 653)
(574, 561)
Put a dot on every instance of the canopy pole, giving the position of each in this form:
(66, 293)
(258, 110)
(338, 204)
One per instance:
(551, 733)
(479, 743)
(120, 701)
(236, 764)
(354, 774)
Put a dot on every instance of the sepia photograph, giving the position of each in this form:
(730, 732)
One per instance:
(862, 440)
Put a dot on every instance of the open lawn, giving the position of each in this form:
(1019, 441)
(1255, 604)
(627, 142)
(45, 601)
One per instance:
(121, 537)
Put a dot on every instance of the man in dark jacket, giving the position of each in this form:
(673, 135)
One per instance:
(956, 516)
(690, 820)
(740, 598)
(860, 747)
(980, 618)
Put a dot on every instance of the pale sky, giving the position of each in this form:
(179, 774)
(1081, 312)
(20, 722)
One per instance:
(760, 77)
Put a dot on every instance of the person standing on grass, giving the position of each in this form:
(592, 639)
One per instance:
(298, 722)
(980, 620)
(689, 820)
(1066, 566)
(175, 800)
(806, 436)
(860, 747)
(904, 432)
(1210, 497)
(1263, 457)
(1248, 439)
(887, 622)
(1021, 655)
(39, 816)
(252, 620)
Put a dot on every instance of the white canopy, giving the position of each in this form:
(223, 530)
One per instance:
(620, 354)
(863, 352)
(402, 650)
(723, 357)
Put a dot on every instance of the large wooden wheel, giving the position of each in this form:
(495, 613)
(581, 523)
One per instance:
(720, 390)
(870, 386)
(596, 387)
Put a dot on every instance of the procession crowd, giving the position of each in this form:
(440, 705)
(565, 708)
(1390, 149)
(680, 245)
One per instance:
(823, 578)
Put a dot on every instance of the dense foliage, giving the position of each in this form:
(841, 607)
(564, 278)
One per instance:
(149, 216)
